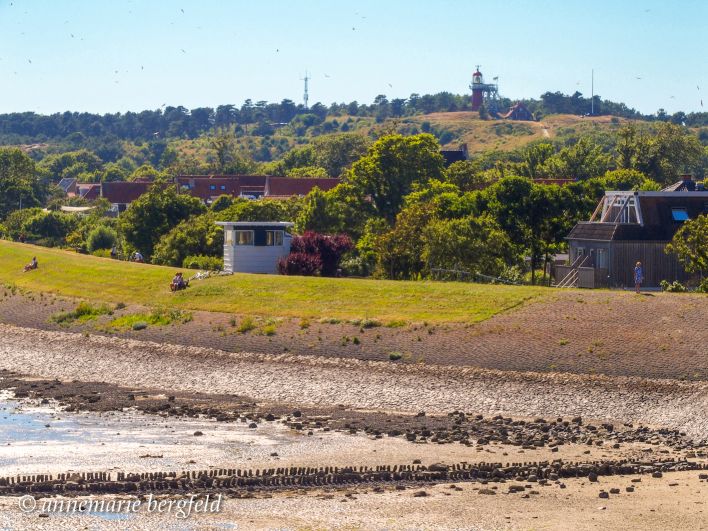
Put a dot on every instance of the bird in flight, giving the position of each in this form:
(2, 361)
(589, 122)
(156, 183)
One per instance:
(182, 10)
(183, 50)
(29, 61)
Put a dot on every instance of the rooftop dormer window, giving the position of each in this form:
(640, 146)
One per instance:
(679, 214)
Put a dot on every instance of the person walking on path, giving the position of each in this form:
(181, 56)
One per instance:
(638, 276)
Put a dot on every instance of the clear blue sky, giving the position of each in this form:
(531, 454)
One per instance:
(140, 54)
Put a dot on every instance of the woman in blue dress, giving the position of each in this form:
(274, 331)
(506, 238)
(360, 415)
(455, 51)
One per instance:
(638, 276)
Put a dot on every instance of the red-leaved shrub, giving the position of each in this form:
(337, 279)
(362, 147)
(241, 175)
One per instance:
(300, 264)
(321, 249)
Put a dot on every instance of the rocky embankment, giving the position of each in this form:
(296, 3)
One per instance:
(356, 384)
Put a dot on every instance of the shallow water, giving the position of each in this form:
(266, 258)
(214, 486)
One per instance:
(41, 438)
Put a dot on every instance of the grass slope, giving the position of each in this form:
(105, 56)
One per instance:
(105, 280)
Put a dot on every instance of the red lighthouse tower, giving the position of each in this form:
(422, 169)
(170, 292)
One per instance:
(477, 87)
(482, 91)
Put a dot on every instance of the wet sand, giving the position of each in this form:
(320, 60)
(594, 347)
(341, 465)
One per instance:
(360, 385)
(654, 505)
(352, 383)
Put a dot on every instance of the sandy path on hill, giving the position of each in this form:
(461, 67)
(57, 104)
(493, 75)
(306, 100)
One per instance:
(370, 385)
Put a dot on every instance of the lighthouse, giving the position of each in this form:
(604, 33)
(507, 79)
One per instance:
(477, 87)
(484, 93)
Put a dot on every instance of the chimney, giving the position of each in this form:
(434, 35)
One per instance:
(689, 184)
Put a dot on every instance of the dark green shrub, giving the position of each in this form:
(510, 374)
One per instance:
(207, 263)
(672, 287)
(101, 237)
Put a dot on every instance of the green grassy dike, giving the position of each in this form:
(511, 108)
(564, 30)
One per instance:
(104, 280)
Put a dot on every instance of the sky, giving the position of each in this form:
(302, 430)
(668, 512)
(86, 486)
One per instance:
(130, 55)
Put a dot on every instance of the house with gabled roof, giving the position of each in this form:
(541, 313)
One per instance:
(631, 227)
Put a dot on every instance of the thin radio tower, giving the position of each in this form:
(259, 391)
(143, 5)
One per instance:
(306, 97)
(592, 92)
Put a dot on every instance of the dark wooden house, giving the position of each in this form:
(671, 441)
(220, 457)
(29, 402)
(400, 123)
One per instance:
(631, 227)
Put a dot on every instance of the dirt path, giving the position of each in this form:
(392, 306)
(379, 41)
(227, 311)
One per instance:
(353, 383)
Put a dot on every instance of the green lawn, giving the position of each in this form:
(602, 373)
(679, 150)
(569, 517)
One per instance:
(105, 280)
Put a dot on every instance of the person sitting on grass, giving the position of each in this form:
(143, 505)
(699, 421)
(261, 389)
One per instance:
(178, 283)
(32, 265)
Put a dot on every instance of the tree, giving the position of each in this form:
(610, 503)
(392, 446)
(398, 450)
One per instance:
(467, 175)
(16, 219)
(50, 226)
(316, 213)
(529, 213)
(112, 172)
(196, 236)
(101, 237)
(146, 172)
(154, 214)
(535, 157)
(391, 166)
(469, 243)
(483, 112)
(19, 184)
(662, 156)
(71, 164)
(307, 171)
(223, 144)
(222, 202)
(399, 252)
(582, 160)
(336, 153)
(261, 210)
(690, 245)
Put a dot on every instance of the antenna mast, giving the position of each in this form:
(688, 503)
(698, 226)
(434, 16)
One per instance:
(592, 92)
(306, 96)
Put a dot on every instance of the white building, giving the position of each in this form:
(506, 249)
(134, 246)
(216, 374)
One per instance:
(255, 246)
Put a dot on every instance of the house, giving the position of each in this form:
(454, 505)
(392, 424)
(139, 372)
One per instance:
(121, 193)
(631, 227)
(68, 185)
(255, 246)
(287, 187)
(205, 187)
(88, 191)
(209, 187)
(454, 155)
(518, 111)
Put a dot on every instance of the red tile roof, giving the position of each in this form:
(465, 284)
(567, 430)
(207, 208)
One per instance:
(211, 186)
(291, 186)
(88, 191)
(206, 187)
(123, 192)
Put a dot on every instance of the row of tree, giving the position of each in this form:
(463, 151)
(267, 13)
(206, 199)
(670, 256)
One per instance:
(180, 122)
(407, 214)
